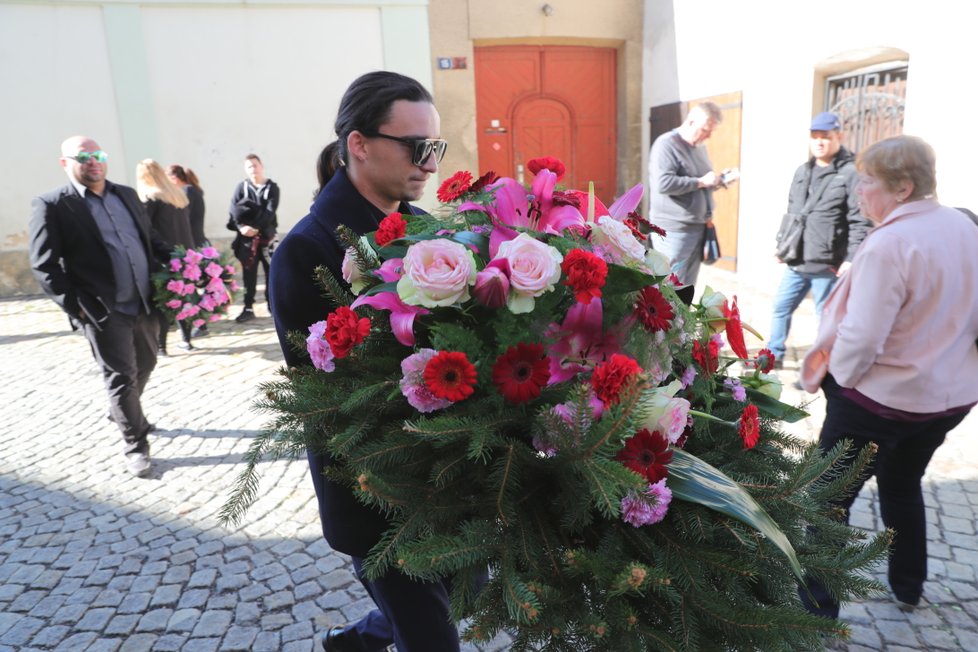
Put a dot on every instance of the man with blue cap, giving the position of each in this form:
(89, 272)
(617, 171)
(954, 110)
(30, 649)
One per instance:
(822, 204)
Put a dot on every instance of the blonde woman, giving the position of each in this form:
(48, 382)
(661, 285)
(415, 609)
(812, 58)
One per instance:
(169, 214)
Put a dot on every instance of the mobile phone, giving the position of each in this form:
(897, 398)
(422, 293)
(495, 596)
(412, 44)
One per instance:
(729, 175)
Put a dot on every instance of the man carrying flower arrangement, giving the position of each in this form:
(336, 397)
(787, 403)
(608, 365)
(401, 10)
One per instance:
(387, 147)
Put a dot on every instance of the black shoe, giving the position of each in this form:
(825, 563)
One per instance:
(161, 352)
(330, 641)
(246, 315)
(186, 346)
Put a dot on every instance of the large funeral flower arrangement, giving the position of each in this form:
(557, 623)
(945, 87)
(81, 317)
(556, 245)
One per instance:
(516, 385)
(196, 285)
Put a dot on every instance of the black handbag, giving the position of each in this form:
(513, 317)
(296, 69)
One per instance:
(790, 242)
(711, 246)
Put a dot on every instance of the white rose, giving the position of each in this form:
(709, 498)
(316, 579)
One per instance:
(436, 273)
(534, 268)
(616, 240)
(663, 412)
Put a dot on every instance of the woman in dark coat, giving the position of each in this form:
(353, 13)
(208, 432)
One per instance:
(169, 214)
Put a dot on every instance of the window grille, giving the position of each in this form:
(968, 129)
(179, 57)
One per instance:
(870, 103)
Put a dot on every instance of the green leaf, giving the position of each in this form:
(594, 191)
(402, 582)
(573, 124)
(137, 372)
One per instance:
(622, 280)
(383, 287)
(775, 408)
(477, 240)
(693, 480)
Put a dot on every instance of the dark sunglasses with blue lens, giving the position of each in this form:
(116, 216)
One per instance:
(421, 148)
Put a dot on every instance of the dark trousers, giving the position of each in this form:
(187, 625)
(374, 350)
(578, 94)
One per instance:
(250, 277)
(165, 329)
(125, 350)
(905, 450)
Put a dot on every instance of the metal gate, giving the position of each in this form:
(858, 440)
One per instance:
(870, 102)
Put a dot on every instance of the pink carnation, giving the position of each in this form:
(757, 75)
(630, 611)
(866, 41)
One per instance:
(176, 286)
(199, 322)
(210, 252)
(192, 272)
(647, 507)
(173, 304)
(213, 270)
(318, 348)
(175, 265)
(207, 302)
(229, 269)
(412, 384)
(192, 257)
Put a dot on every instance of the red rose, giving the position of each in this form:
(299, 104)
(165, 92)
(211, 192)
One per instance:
(521, 372)
(344, 330)
(750, 426)
(555, 165)
(586, 274)
(450, 375)
(453, 187)
(392, 227)
(609, 377)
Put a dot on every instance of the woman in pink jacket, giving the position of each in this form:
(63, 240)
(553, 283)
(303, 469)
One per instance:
(896, 353)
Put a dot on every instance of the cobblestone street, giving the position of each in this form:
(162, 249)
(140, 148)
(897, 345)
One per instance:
(92, 558)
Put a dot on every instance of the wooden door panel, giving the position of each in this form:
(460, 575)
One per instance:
(549, 101)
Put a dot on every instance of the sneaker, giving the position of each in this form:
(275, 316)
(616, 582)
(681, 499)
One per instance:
(186, 346)
(246, 315)
(200, 331)
(138, 464)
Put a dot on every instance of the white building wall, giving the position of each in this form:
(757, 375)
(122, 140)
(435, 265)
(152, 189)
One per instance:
(199, 84)
(770, 49)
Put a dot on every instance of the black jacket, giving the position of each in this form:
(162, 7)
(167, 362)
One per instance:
(258, 212)
(834, 227)
(69, 257)
(296, 303)
(172, 224)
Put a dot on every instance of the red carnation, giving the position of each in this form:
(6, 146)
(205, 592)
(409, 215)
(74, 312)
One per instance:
(750, 426)
(708, 357)
(647, 453)
(654, 310)
(555, 165)
(344, 330)
(483, 181)
(609, 377)
(521, 372)
(392, 227)
(566, 198)
(735, 331)
(765, 360)
(453, 187)
(450, 375)
(586, 274)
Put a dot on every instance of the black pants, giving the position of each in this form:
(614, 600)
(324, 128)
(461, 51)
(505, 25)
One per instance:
(165, 324)
(125, 350)
(905, 450)
(250, 277)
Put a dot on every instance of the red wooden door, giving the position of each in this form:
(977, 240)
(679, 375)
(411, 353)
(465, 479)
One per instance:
(548, 101)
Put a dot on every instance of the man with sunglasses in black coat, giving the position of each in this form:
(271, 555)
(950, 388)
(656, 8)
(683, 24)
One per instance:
(387, 147)
(93, 251)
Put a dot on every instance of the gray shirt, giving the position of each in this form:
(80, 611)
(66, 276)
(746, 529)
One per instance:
(675, 167)
(126, 252)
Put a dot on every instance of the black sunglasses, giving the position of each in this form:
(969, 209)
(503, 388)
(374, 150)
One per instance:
(421, 148)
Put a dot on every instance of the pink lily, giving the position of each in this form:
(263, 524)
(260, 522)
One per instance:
(582, 342)
(390, 271)
(402, 315)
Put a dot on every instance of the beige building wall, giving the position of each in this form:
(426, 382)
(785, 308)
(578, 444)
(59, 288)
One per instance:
(458, 26)
(199, 84)
(778, 54)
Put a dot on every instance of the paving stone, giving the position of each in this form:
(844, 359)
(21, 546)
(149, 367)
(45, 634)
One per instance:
(95, 619)
(201, 645)
(896, 632)
(170, 643)
(123, 624)
(154, 620)
(183, 620)
(240, 639)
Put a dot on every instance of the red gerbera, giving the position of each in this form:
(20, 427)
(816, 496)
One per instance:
(609, 377)
(555, 165)
(484, 180)
(586, 274)
(707, 357)
(735, 331)
(750, 426)
(450, 375)
(765, 360)
(390, 228)
(654, 310)
(344, 330)
(521, 372)
(453, 187)
(647, 453)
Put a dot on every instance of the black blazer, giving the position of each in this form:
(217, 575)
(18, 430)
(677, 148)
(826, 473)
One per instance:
(297, 303)
(69, 257)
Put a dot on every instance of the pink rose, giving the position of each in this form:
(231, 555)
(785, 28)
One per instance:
(213, 270)
(199, 322)
(210, 253)
(192, 272)
(173, 304)
(666, 413)
(534, 269)
(175, 264)
(615, 242)
(229, 269)
(192, 257)
(436, 273)
(207, 302)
